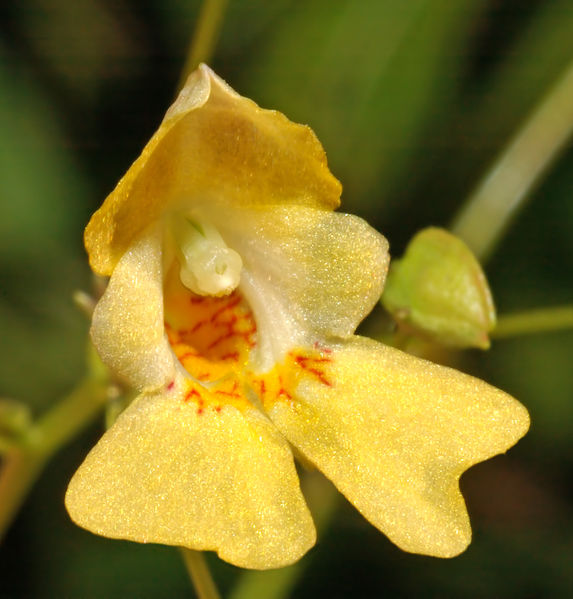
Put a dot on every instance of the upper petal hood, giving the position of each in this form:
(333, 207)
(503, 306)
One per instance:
(216, 144)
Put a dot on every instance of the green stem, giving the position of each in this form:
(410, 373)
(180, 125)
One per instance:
(534, 321)
(199, 574)
(504, 189)
(204, 37)
(22, 465)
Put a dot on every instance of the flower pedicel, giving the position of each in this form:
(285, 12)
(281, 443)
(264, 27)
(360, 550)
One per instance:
(234, 295)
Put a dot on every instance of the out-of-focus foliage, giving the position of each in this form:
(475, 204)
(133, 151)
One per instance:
(412, 101)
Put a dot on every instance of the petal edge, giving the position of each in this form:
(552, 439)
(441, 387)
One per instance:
(396, 442)
(215, 481)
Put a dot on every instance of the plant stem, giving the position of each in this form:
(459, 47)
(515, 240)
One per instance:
(322, 498)
(204, 37)
(534, 321)
(22, 465)
(504, 189)
(199, 574)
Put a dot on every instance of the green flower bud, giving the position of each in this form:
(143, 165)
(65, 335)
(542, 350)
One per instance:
(438, 289)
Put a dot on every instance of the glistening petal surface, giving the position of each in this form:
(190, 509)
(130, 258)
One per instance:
(222, 481)
(212, 144)
(394, 433)
(127, 326)
(308, 273)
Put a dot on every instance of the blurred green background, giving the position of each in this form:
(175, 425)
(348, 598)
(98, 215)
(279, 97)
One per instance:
(412, 101)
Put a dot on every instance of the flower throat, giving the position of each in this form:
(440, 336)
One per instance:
(208, 265)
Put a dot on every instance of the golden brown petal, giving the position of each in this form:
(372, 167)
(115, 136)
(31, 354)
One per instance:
(213, 145)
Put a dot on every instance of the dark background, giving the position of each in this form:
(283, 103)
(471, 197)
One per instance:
(412, 101)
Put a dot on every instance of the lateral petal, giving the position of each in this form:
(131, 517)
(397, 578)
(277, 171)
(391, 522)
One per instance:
(127, 326)
(394, 433)
(208, 480)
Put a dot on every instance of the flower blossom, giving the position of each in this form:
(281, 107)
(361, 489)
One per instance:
(233, 298)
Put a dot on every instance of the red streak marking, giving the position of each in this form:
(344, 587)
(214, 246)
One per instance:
(201, 406)
(230, 356)
(302, 361)
(193, 393)
(218, 408)
(247, 336)
(196, 300)
(232, 392)
(320, 376)
(282, 390)
(234, 302)
(189, 354)
(220, 339)
(230, 324)
(262, 386)
(197, 326)
(228, 393)
(204, 376)
(171, 385)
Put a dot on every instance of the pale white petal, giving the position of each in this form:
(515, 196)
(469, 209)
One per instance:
(307, 273)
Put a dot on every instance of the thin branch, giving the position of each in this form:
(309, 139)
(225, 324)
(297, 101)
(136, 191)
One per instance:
(505, 188)
(23, 464)
(199, 574)
(529, 322)
(205, 36)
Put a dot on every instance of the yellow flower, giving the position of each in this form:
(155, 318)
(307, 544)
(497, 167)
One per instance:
(234, 294)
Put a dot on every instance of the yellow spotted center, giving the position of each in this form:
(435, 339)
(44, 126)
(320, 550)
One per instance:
(212, 338)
